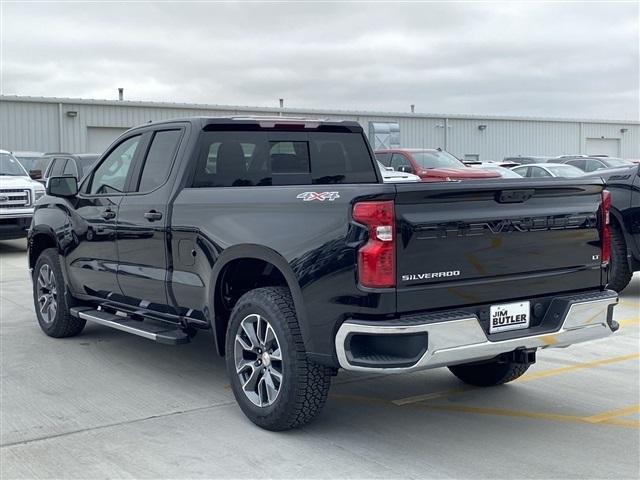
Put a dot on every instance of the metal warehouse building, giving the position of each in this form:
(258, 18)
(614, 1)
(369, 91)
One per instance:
(89, 126)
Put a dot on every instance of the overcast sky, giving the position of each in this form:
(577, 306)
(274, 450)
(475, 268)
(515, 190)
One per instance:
(541, 59)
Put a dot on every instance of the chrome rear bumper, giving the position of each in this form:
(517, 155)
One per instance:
(458, 337)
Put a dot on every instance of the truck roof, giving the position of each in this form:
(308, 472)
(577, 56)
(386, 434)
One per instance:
(265, 122)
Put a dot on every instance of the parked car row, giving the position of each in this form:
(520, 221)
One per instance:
(431, 165)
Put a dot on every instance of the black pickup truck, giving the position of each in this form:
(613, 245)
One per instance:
(624, 185)
(280, 237)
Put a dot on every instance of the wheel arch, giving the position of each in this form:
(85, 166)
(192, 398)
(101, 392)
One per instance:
(40, 238)
(618, 219)
(250, 253)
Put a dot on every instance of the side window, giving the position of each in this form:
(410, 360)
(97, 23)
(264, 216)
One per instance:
(384, 158)
(159, 159)
(524, 171)
(593, 165)
(581, 164)
(57, 166)
(398, 160)
(70, 168)
(538, 172)
(111, 175)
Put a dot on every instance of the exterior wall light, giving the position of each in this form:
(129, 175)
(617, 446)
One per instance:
(72, 113)
(624, 130)
(482, 127)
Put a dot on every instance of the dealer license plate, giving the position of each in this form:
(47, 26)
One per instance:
(509, 316)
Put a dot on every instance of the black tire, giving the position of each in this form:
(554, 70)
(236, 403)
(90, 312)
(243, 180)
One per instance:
(58, 323)
(619, 273)
(304, 385)
(489, 374)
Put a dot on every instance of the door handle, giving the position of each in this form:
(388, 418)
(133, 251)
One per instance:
(152, 215)
(108, 214)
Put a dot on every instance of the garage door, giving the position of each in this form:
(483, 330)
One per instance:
(603, 146)
(99, 138)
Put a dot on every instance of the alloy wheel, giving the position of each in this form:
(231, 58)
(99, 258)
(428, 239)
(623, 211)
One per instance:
(47, 294)
(258, 360)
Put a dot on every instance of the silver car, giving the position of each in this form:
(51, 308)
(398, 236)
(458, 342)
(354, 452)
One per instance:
(549, 170)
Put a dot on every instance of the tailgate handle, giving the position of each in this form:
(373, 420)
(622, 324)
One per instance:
(514, 196)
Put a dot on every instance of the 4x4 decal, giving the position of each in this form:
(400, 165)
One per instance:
(320, 196)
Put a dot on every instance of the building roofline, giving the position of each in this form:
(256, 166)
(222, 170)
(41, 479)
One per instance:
(303, 111)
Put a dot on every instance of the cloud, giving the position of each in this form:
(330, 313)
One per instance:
(544, 59)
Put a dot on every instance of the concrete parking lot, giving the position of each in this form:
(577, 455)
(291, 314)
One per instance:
(109, 404)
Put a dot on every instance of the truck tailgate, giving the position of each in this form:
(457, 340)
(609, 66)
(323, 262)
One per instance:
(469, 243)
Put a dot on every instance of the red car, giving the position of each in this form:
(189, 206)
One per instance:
(431, 165)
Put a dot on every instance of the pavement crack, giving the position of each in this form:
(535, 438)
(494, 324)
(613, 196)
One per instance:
(115, 424)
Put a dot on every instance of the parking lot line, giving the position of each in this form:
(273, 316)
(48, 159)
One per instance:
(606, 418)
(629, 321)
(503, 412)
(619, 412)
(629, 303)
(580, 366)
(525, 378)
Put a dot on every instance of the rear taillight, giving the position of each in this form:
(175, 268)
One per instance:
(605, 227)
(377, 257)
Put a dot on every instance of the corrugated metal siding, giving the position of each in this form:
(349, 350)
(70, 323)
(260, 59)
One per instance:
(75, 128)
(508, 138)
(629, 140)
(28, 126)
(33, 125)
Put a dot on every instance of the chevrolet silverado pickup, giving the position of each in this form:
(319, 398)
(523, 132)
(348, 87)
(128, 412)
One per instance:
(624, 185)
(280, 237)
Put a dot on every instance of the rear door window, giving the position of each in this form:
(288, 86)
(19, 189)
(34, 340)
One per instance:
(57, 167)
(593, 165)
(159, 159)
(524, 171)
(70, 168)
(577, 163)
(538, 172)
(256, 158)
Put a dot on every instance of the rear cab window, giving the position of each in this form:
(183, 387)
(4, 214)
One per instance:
(280, 157)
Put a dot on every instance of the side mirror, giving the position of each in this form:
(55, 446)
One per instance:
(35, 174)
(405, 169)
(62, 186)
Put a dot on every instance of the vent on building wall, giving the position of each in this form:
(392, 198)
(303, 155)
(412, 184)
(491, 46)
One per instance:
(384, 135)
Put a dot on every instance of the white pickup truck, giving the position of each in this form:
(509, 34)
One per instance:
(18, 194)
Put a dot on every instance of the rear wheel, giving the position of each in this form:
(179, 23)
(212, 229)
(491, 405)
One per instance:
(489, 374)
(619, 272)
(50, 298)
(273, 381)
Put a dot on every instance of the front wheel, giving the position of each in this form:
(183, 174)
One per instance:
(50, 300)
(273, 381)
(489, 374)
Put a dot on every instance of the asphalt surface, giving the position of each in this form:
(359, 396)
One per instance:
(106, 404)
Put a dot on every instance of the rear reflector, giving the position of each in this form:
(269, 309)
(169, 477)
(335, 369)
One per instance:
(377, 257)
(605, 233)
